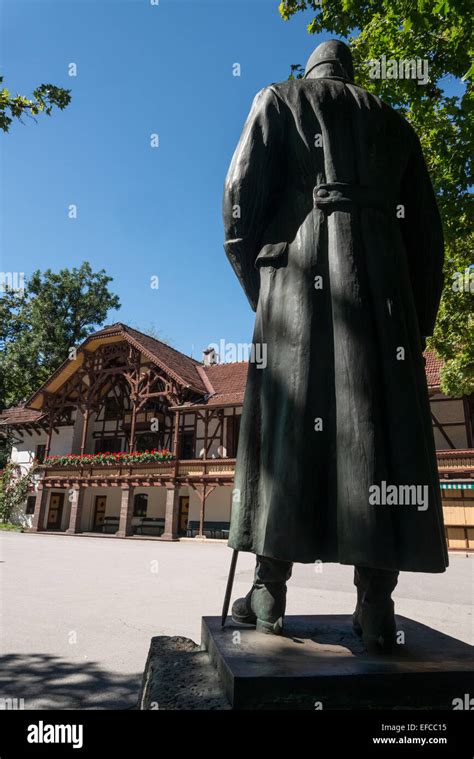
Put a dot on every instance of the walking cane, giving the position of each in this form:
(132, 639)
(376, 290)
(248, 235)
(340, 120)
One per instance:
(228, 590)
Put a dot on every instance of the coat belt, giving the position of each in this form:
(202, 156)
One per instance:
(340, 196)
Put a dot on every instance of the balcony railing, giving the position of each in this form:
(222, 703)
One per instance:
(455, 461)
(450, 463)
(199, 467)
(181, 469)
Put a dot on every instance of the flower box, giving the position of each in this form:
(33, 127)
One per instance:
(107, 459)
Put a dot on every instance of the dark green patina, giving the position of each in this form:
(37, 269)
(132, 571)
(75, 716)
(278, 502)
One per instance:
(332, 228)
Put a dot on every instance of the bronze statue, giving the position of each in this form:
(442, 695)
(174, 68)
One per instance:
(332, 228)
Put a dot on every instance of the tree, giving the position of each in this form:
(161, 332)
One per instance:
(39, 326)
(45, 97)
(438, 32)
(15, 484)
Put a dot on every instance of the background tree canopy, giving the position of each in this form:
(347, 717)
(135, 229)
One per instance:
(38, 326)
(439, 31)
(45, 98)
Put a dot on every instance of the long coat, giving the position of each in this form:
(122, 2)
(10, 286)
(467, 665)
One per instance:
(333, 231)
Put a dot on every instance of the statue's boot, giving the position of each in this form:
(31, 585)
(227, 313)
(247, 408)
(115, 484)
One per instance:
(265, 603)
(374, 616)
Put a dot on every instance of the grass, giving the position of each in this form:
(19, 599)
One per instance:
(10, 526)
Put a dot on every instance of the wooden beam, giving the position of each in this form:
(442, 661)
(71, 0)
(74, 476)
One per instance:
(443, 433)
(177, 418)
(133, 426)
(85, 425)
(468, 420)
(203, 512)
(48, 438)
(203, 492)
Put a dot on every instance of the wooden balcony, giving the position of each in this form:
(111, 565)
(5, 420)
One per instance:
(451, 464)
(151, 474)
(456, 463)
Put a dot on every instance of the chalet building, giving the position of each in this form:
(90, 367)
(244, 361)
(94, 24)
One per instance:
(131, 437)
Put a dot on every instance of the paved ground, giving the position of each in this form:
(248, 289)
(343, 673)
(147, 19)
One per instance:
(77, 613)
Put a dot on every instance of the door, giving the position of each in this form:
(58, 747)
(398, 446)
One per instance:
(183, 514)
(99, 512)
(55, 511)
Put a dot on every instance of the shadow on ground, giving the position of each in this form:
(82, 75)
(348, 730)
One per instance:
(50, 682)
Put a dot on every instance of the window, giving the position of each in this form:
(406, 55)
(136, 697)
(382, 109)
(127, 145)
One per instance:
(111, 408)
(147, 441)
(140, 503)
(67, 415)
(233, 429)
(40, 453)
(108, 445)
(30, 504)
(187, 444)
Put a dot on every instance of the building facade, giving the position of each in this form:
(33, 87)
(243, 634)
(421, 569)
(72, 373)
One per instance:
(131, 437)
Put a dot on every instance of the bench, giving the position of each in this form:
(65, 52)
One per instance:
(111, 524)
(150, 523)
(211, 529)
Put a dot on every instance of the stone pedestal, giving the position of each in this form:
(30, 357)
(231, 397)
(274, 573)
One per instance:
(179, 677)
(319, 663)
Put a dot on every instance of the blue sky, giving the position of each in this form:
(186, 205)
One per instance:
(141, 69)
(142, 212)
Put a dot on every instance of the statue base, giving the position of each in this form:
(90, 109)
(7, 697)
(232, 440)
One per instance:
(319, 663)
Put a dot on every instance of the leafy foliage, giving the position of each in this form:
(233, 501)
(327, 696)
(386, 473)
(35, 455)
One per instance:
(39, 326)
(6, 444)
(439, 31)
(45, 98)
(15, 486)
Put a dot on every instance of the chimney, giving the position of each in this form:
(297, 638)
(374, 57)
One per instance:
(209, 357)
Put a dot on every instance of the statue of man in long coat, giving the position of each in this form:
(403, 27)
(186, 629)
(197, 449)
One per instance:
(332, 228)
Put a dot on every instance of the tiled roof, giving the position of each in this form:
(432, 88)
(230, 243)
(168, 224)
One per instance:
(226, 385)
(432, 368)
(20, 415)
(183, 366)
(226, 399)
(227, 381)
